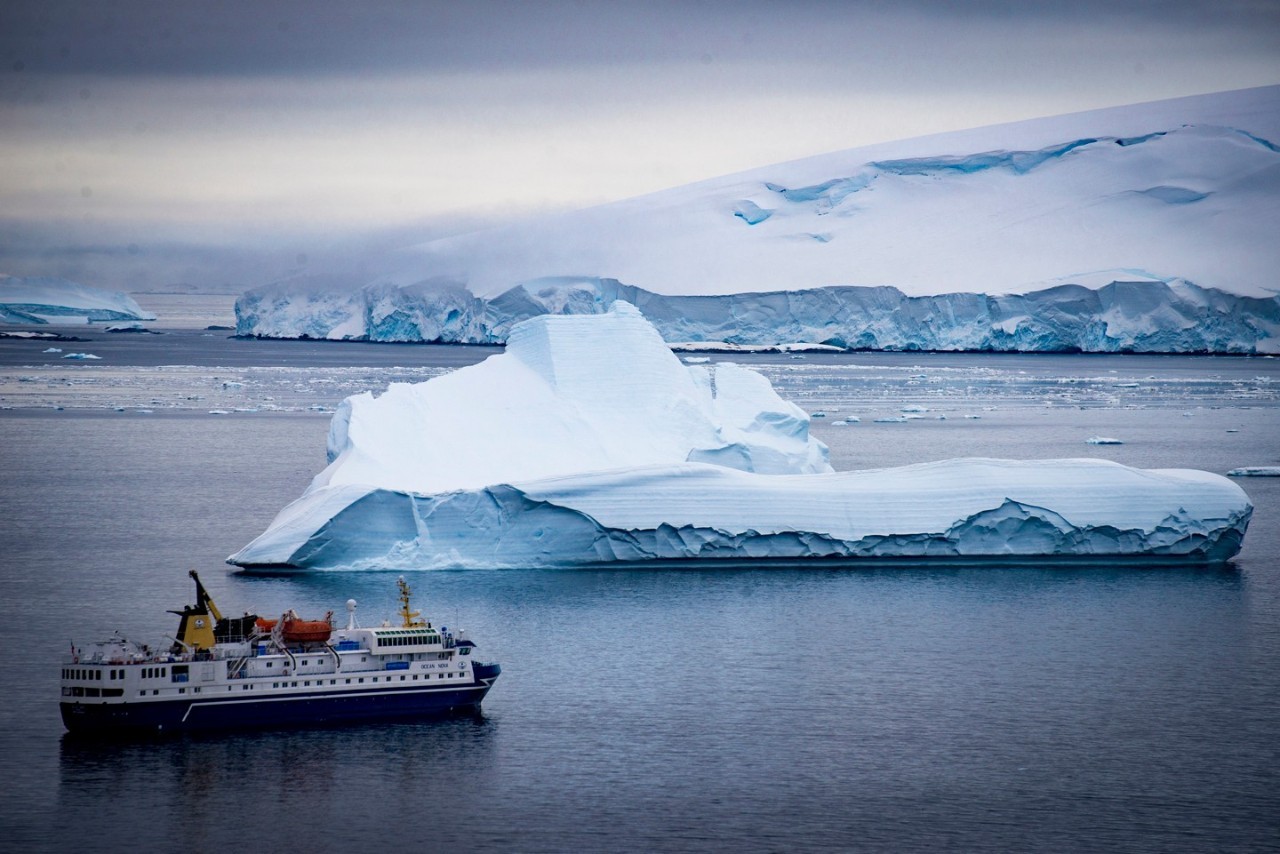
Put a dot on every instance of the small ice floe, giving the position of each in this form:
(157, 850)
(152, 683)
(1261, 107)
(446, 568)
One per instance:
(52, 350)
(219, 412)
(1255, 471)
(315, 407)
(852, 419)
(942, 418)
(81, 356)
(917, 409)
(1233, 429)
(145, 411)
(818, 414)
(840, 423)
(1104, 440)
(892, 419)
(232, 384)
(696, 360)
(973, 417)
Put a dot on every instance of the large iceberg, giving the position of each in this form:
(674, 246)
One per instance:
(43, 299)
(1141, 228)
(588, 442)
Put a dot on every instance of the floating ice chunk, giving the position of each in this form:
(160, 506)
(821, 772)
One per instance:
(81, 356)
(1103, 440)
(52, 350)
(219, 412)
(1255, 471)
(891, 419)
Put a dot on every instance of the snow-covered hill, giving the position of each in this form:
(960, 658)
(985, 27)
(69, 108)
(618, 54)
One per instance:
(1183, 195)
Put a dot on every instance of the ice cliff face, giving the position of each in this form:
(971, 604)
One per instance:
(50, 300)
(588, 442)
(1122, 316)
(1088, 229)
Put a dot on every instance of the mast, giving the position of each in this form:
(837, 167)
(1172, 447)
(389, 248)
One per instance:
(410, 618)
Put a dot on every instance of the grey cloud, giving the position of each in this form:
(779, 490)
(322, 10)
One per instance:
(322, 36)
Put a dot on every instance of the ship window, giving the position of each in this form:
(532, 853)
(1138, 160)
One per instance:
(275, 684)
(92, 692)
(270, 664)
(361, 681)
(182, 690)
(401, 678)
(348, 681)
(113, 692)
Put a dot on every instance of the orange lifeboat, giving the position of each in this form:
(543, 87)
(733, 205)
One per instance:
(306, 631)
(264, 626)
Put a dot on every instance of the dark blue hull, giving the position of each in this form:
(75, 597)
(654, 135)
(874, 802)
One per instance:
(321, 707)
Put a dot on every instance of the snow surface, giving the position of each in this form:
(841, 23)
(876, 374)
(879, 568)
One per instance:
(1148, 228)
(51, 300)
(589, 442)
(1186, 188)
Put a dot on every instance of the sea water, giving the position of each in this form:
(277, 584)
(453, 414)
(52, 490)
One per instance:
(693, 709)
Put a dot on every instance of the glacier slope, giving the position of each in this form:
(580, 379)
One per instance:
(588, 442)
(1189, 191)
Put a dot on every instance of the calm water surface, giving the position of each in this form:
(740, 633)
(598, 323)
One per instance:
(698, 709)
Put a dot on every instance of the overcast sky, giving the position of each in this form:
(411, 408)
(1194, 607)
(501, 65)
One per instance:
(230, 143)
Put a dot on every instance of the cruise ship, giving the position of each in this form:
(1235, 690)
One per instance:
(238, 672)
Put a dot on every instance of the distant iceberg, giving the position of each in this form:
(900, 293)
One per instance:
(588, 442)
(52, 300)
(1146, 228)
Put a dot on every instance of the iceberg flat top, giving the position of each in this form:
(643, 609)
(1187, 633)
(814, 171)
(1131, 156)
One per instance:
(1181, 189)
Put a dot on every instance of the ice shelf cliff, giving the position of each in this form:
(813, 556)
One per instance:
(1143, 228)
(1122, 316)
(51, 300)
(588, 442)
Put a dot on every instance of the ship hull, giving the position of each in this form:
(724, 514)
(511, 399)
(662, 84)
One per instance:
(291, 710)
